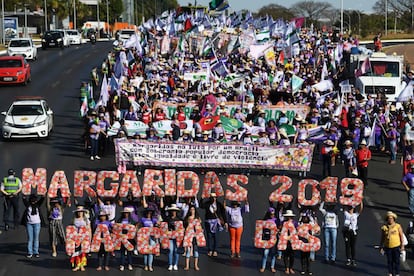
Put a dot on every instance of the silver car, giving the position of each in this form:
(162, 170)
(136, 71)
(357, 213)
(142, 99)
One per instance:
(28, 118)
(74, 37)
(23, 47)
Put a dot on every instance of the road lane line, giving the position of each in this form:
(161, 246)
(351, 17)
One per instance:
(56, 83)
(380, 220)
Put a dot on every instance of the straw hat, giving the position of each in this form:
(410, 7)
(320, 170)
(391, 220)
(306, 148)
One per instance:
(363, 142)
(127, 210)
(173, 207)
(103, 213)
(329, 142)
(80, 209)
(283, 132)
(347, 142)
(289, 213)
(391, 214)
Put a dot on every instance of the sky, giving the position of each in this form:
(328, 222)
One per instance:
(236, 5)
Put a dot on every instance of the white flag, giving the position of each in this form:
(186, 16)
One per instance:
(407, 93)
(104, 97)
(371, 140)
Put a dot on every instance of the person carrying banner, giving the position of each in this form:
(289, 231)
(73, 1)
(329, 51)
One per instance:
(215, 220)
(103, 255)
(289, 253)
(330, 226)
(126, 218)
(149, 220)
(11, 187)
(349, 232)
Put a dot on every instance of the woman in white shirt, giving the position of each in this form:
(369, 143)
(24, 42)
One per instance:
(350, 232)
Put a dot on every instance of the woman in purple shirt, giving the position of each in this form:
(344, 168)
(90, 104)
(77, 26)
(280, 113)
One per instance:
(234, 214)
(149, 220)
(103, 256)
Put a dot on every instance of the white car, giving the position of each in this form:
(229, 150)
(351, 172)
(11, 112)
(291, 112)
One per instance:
(125, 34)
(29, 117)
(74, 37)
(23, 47)
(66, 38)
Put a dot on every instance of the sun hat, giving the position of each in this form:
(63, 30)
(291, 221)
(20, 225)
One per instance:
(173, 207)
(213, 194)
(79, 209)
(363, 143)
(289, 213)
(127, 210)
(391, 214)
(348, 142)
(329, 142)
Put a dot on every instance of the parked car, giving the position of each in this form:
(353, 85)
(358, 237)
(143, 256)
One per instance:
(66, 38)
(22, 46)
(14, 69)
(74, 37)
(29, 117)
(52, 39)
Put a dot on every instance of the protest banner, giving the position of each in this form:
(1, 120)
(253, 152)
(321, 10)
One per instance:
(222, 155)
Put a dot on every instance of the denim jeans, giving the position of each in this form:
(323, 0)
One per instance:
(411, 200)
(33, 231)
(128, 255)
(149, 258)
(173, 253)
(266, 253)
(94, 147)
(211, 238)
(393, 149)
(194, 248)
(330, 243)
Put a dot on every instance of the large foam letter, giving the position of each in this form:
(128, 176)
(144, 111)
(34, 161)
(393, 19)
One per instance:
(329, 184)
(169, 179)
(152, 181)
(59, 182)
(35, 181)
(130, 182)
(143, 240)
(313, 243)
(102, 235)
(195, 184)
(288, 233)
(166, 234)
(194, 230)
(354, 196)
(211, 181)
(83, 182)
(100, 186)
(240, 193)
(316, 195)
(258, 236)
(119, 238)
(277, 195)
(75, 238)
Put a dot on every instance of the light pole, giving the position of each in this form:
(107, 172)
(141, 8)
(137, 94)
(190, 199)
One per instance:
(97, 17)
(342, 17)
(386, 17)
(107, 16)
(3, 35)
(25, 20)
(45, 14)
(74, 14)
(359, 22)
(349, 23)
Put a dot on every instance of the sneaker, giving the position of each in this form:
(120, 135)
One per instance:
(6, 227)
(170, 267)
(97, 157)
(348, 262)
(353, 263)
(302, 273)
(54, 254)
(135, 252)
(37, 255)
(175, 267)
(29, 256)
(238, 255)
(121, 268)
(130, 267)
(92, 158)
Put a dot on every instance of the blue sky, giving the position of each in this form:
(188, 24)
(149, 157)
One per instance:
(364, 5)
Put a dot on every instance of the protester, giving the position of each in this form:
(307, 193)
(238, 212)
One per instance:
(79, 258)
(56, 231)
(348, 156)
(234, 214)
(126, 218)
(269, 216)
(172, 218)
(408, 183)
(149, 220)
(289, 253)
(103, 255)
(215, 220)
(392, 243)
(363, 155)
(330, 226)
(32, 219)
(191, 216)
(11, 187)
(349, 231)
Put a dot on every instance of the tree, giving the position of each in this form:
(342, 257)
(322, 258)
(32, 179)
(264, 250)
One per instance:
(311, 10)
(276, 11)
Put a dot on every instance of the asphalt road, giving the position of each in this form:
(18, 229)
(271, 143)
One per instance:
(57, 75)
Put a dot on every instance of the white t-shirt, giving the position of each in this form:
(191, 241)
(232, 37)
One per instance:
(351, 220)
(32, 219)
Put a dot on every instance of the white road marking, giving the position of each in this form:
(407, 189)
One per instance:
(56, 83)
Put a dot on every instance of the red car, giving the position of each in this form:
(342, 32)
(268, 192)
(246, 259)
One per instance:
(14, 69)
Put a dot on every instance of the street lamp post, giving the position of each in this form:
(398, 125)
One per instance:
(74, 14)
(107, 16)
(386, 17)
(359, 22)
(97, 17)
(3, 35)
(45, 14)
(25, 20)
(342, 17)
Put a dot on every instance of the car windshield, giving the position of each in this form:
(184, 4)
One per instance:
(72, 32)
(19, 43)
(128, 32)
(53, 35)
(26, 110)
(10, 63)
